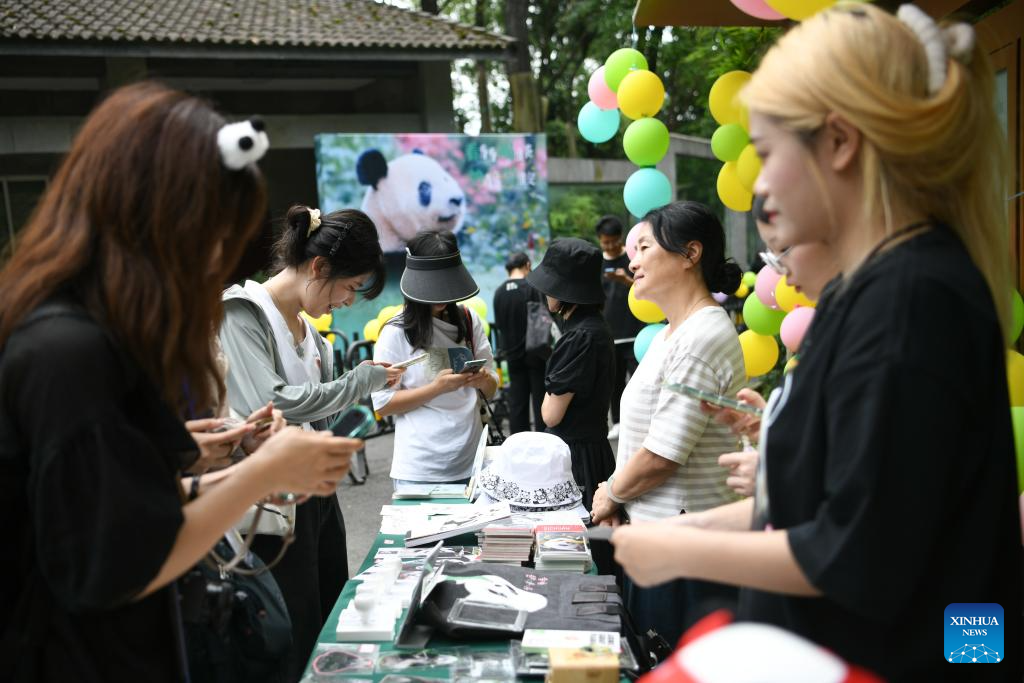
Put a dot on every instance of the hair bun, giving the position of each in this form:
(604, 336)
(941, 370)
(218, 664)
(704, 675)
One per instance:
(726, 277)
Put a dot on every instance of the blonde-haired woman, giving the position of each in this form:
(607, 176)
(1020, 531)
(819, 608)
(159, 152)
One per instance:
(887, 483)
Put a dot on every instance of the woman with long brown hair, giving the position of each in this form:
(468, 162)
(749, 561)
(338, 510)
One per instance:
(108, 305)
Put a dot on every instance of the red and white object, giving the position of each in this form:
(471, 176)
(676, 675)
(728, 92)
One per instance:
(715, 650)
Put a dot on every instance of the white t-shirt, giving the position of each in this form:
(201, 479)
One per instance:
(704, 352)
(437, 441)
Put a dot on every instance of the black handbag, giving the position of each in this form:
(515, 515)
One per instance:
(538, 329)
(237, 627)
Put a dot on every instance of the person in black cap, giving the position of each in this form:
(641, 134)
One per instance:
(438, 424)
(578, 378)
(525, 370)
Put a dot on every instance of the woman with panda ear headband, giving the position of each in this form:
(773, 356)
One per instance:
(887, 488)
(274, 354)
(104, 350)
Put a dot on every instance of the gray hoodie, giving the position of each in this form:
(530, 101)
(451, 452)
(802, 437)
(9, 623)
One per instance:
(256, 375)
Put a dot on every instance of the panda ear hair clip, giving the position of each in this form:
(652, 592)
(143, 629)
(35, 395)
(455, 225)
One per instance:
(242, 143)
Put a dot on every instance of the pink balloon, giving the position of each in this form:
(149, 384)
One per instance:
(720, 297)
(600, 94)
(764, 287)
(794, 327)
(757, 8)
(631, 237)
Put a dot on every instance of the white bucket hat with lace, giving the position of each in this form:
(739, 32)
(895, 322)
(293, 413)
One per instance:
(532, 471)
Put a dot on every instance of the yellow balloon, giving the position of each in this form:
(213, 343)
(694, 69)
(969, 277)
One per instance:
(321, 324)
(730, 191)
(644, 311)
(387, 313)
(742, 291)
(748, 166)
(371, 330)
(799, 9)
(722, 101)
(788, 298)
(1015, 377)
(478, 305)
(760, 353)
(790, 364)
(640, 94)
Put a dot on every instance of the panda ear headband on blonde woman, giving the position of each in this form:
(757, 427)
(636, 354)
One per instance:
(242, 143)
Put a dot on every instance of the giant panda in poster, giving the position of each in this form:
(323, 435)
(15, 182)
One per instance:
(408, 194)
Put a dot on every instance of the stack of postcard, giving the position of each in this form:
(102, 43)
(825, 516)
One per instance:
(510, 541)
(562, 547)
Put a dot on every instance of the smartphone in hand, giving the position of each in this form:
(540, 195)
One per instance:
(412, 361)
(472, 366)
(354, 423)
(714, 399)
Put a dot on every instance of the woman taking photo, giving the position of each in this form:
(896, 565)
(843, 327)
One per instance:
(104, 348)
(884, 448)
(577, 383)
(438, 424)
(274, 354)
(668, 449)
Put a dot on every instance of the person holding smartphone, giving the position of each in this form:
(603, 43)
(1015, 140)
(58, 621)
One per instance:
(668, 452)
(108, 304)
(889, 488)
(436, 408)
(274, 354)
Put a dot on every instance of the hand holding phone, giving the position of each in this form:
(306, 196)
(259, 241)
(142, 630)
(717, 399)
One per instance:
(354, 423)
(472, 366)
(714, 399)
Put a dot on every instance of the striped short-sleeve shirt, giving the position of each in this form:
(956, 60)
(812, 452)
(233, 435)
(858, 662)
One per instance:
(703, 352)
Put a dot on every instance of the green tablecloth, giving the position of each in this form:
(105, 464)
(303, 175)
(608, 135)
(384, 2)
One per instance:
(329, 635)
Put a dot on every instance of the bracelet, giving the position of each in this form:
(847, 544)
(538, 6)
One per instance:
(193, 489)
(611, 494)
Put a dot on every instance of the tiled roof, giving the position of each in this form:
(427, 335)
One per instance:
(349, 24)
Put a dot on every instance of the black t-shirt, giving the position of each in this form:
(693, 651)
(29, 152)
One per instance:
(621, 320)
(890, 461)
(89, 455)
(510, 316)
(581, 363)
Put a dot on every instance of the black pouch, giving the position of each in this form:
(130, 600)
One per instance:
(518, 587)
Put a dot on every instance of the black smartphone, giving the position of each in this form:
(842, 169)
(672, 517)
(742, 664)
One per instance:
(355, 423)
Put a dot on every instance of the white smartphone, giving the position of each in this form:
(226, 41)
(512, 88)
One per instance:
(412, 361)
(473, 365)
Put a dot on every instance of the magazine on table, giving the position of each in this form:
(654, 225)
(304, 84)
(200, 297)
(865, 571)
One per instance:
(471, 518)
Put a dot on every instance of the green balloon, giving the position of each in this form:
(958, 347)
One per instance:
(620, 63)
(646, 141)
(1017, 415)
(749, 279)
(1017, 309)
(760, 318)
(728, 141)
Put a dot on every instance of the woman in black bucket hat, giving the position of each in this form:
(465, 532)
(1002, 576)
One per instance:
(437, 424)
(578, 379)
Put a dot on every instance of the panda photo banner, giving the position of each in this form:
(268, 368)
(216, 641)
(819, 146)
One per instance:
(490, 190)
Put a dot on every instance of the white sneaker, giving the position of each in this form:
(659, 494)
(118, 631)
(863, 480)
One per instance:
(613, 433)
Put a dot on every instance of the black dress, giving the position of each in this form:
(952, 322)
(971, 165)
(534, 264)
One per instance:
(89, 455)
(582, 363)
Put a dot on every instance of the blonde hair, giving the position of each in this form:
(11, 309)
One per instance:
(942, 155)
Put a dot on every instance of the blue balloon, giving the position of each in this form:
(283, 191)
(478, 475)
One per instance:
(596, 124)
(646, 189)
(644, 339)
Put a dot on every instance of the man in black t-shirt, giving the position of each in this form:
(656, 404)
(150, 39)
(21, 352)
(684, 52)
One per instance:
(525, 372)
(624, 325)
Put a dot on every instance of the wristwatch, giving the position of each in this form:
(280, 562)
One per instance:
(611, 494)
